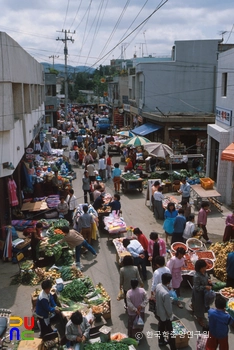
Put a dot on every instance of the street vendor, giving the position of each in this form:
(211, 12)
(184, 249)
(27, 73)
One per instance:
(99, 201)
(62, 208)
(35, 241)
(46, 309)
(185, 190)
(115, 204)
(77, 329)
(55, 183)
(229, 229)
(129, 165)
(137, 251)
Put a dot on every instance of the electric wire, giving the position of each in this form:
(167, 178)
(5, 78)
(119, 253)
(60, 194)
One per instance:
(68, 1)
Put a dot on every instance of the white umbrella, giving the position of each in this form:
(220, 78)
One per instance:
(125, 133)
(160, 150)
(136, 141)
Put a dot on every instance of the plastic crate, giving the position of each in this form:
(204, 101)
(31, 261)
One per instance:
(207, 183)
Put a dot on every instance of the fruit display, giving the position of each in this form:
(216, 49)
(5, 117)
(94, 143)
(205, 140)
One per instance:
(221, 250)
(207, 254)
(227, 292)
(177, 245)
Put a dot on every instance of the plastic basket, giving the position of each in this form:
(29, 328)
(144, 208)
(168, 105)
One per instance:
(194, 244)
(207, 183)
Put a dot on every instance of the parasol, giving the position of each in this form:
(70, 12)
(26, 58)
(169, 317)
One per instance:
(125, 133)
(160, 150)
(136, 141)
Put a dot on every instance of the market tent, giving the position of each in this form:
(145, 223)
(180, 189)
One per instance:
(136, 141)
(158, 149)
(146, 129)
(125, 133)
(228, 153)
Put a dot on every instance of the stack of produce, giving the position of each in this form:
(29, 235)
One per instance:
(45, 275)
(221, 250)
(78, 289)
(70, 273)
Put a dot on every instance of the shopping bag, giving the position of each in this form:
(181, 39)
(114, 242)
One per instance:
(120, 295)
(138, 322)
(209, 297)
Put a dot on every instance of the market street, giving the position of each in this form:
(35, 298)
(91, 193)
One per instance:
(104, 268)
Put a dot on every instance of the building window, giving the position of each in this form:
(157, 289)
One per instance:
(224, 84)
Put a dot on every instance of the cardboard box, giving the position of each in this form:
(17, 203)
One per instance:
(181, 340)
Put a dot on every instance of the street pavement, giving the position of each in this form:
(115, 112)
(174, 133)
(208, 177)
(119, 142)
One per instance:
(104, 268)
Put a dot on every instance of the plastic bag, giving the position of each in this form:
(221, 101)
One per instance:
(138, 322)
(120, 295)
(209, 297)
(173, 294)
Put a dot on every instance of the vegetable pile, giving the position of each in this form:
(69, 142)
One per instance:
(70, 273)
(78, 289)
(221, 251)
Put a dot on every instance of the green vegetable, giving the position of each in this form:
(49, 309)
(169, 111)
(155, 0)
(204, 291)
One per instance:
(77, 289)
(112, 345)
(129, 341)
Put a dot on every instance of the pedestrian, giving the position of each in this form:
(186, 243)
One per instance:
(157, 275)
(75, 240)
(137, 251)
(136, 301)
(81, 155)
(156, 247)
(169, 216)
(230, 270)
(102, 167)
(46, 309)
(80, 140)
(98, 189)
(62, 208)
(60, 139)
(164, 312)
(187, 209)
(91, 170)
(86, 187)
(185, 190)
(87, 158)
(154, 188)
(179, 226)
(72, 204)
(77, 329)
(202, 220)
(189, 228)
(229, 229)
(219, 321)
(116, 172)
(201, 283)
(127, 273)
(100, 149)
(109, 165)
(85, 224)
(175, 264)
(158, 204)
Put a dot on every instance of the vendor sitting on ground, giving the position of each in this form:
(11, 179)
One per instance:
(99, 201)
(115, 204)
(35, 241)
(129, 165)
(77, 329)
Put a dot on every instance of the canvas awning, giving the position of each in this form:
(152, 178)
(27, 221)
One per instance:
(228, 153)
(146, 129)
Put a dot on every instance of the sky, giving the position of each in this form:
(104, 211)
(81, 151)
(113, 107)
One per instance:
(112, 29)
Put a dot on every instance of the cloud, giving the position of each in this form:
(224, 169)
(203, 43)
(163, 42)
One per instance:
(101, 24)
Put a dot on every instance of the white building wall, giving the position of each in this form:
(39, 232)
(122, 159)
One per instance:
(222, 132)
(21, 101)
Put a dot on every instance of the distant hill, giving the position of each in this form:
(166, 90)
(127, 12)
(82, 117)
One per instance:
(70, 69)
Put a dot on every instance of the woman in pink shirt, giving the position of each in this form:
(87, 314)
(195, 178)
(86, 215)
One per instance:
(156, 247)
(202, 220)
(229, 229)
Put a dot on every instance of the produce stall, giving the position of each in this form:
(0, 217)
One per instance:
(114, 225)
(121, 251)
(221, 251)
(130, 182)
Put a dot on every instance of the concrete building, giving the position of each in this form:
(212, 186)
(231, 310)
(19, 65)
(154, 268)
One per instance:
(221, 134)
(51, 100)
(22, 110)
(178, 96)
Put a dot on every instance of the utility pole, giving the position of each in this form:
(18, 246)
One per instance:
(65, 40)
(53, 57)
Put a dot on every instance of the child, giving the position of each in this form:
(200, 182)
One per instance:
(189, 228)
(219, 320)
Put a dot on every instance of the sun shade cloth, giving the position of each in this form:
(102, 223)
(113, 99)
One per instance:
(228, 153)
(146, 129)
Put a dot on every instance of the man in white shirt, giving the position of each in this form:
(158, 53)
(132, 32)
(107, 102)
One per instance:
(72, 204)
(136, 250)
(189, 228)
(102, 167)
(157, 276)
